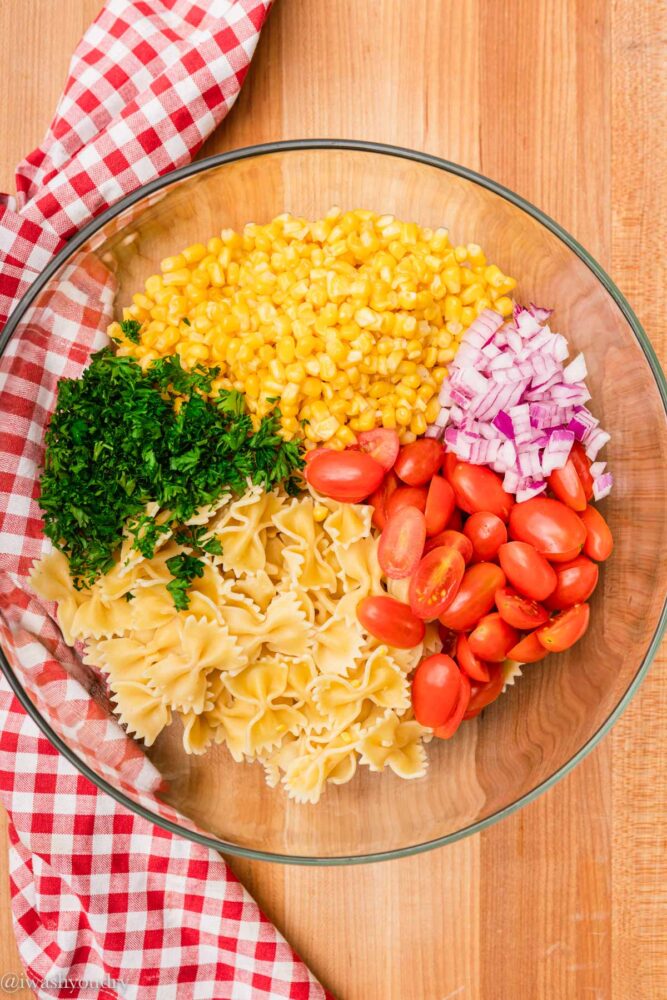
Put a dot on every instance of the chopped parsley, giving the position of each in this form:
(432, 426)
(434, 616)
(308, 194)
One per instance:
(131, 328)
(184, 569)
(117, 442)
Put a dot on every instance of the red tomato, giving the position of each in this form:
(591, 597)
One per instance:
(551, 527)
(527, 570)
(576, 582)
(455, 522)
(468, 662)
(435, 690)
(402, 543)
(380, 498)
(448, 639)
(566, 486)
(419, 461)
(455, 540)
(448, 463)
(314, 452)
(406, 496)
(446, 731)
(475, 596)
(492, 637)
(347, 476)
(582, 464)
(435, 582)
(390, 621)
(482, 695)
(480, 489)
(521, 612)
(599, 543)
(528, 650)
(439, 505)
(565, 629)
(381, 444)
(487, 533)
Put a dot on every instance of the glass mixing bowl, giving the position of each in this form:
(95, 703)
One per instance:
(560, 708)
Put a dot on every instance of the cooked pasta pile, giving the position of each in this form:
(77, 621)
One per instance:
(269, 658)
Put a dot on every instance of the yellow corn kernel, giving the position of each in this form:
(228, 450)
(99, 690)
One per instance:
(393, 361)
(412, 380)
(305, 346)
(403, 416)
(439, 374)
(320, 512)
(181, 276)
(407, 437)
(345, 437)
(388, 418)
(467, 315)
(173, 263)
(295, 373)
(504, 306)
(406, 393)
(312, 387)
(194, 253)
(425, 392)
(418, 424)
(366, 420)
(286, 350)
(251, 386)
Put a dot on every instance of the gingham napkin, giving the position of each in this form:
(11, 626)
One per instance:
(106, 904)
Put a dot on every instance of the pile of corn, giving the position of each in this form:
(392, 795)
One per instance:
(350, 320)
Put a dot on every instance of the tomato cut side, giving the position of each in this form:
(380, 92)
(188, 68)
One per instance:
(446, 731)
(527, 570)
(487, 533)
(435, 582)
(475, 596)
(402, 543)
(391, 621)
(347, 476)
(439, 505)
(419, 461)
(448, 639)
(528, 650)
(482, 695)
(382, 444)
(598, 543)
(565, 629)
(470, 664)
(492, 638)
(520, 612)
(435, 690)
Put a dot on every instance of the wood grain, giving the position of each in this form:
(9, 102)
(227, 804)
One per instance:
(563, 101)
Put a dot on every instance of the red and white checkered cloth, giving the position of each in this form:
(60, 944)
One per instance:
(99, 895)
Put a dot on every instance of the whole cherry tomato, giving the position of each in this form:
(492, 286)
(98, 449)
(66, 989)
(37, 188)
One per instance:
(448, 639)
(576, 582)
(454, 539)
(468, 662)
(402, 543)
(406, 496)
(566, 486)
(527, 570)
(419, 461)
(435, 690)
(551, 527)
(446, 731)
(492, 637)
(528, 650)
(311, 455)
(455, 522)
(475, 596)
(390, 621)
(520, 612)
(382, 444)
(380, 498)
(487, 533)
(439, 505)
(482, 695)
(480, 489)
(435, 582)
(598, 544)
(565, 629)
(582, 464)
(347, 476)
(448, 463)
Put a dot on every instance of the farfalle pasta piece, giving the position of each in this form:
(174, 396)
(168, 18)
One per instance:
(97, 618)
(337, 646)
(50, 579)
(379, 680)
(395, 743)
(239, 529)
(347, 523)
(360, 574)
(285, 626)
(303, 557)
(258, 587)
(306, 775)
(198, 733)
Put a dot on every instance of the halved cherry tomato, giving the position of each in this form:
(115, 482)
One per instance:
(492, 637)
(439, 505)
(482, 695)
(576, 582)
(311, 455)
(475, 596)
(446, 731)
(455, 540)
(382, 444)
(455, 522)
(402, 543)
(448, 639)
(448, 464)
(380, 498)
(435, 582)
(487, 533)
(565, 629)
(419, 461)
(598, 544)
(468, 662)
(480, 489)
(347, 476)
(407, 496)
(582, 464)
(520, 612)
(435, 690)
(390, 621)
(527, 570)
(551, 527)
(528, 650)
(567, 487)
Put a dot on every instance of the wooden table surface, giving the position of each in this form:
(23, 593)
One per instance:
(563, 101)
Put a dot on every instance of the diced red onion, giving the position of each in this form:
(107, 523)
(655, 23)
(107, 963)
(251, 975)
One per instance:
(433, 431)
(602, 485)
(576, 370)
(597, 468)
(503, 422)
(442, 418)
(594, 441)
(529, 488)
(557, 451)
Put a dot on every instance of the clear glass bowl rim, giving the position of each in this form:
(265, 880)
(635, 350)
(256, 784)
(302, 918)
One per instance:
(354, 145)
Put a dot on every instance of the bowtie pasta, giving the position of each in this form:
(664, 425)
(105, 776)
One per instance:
(269, 658)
